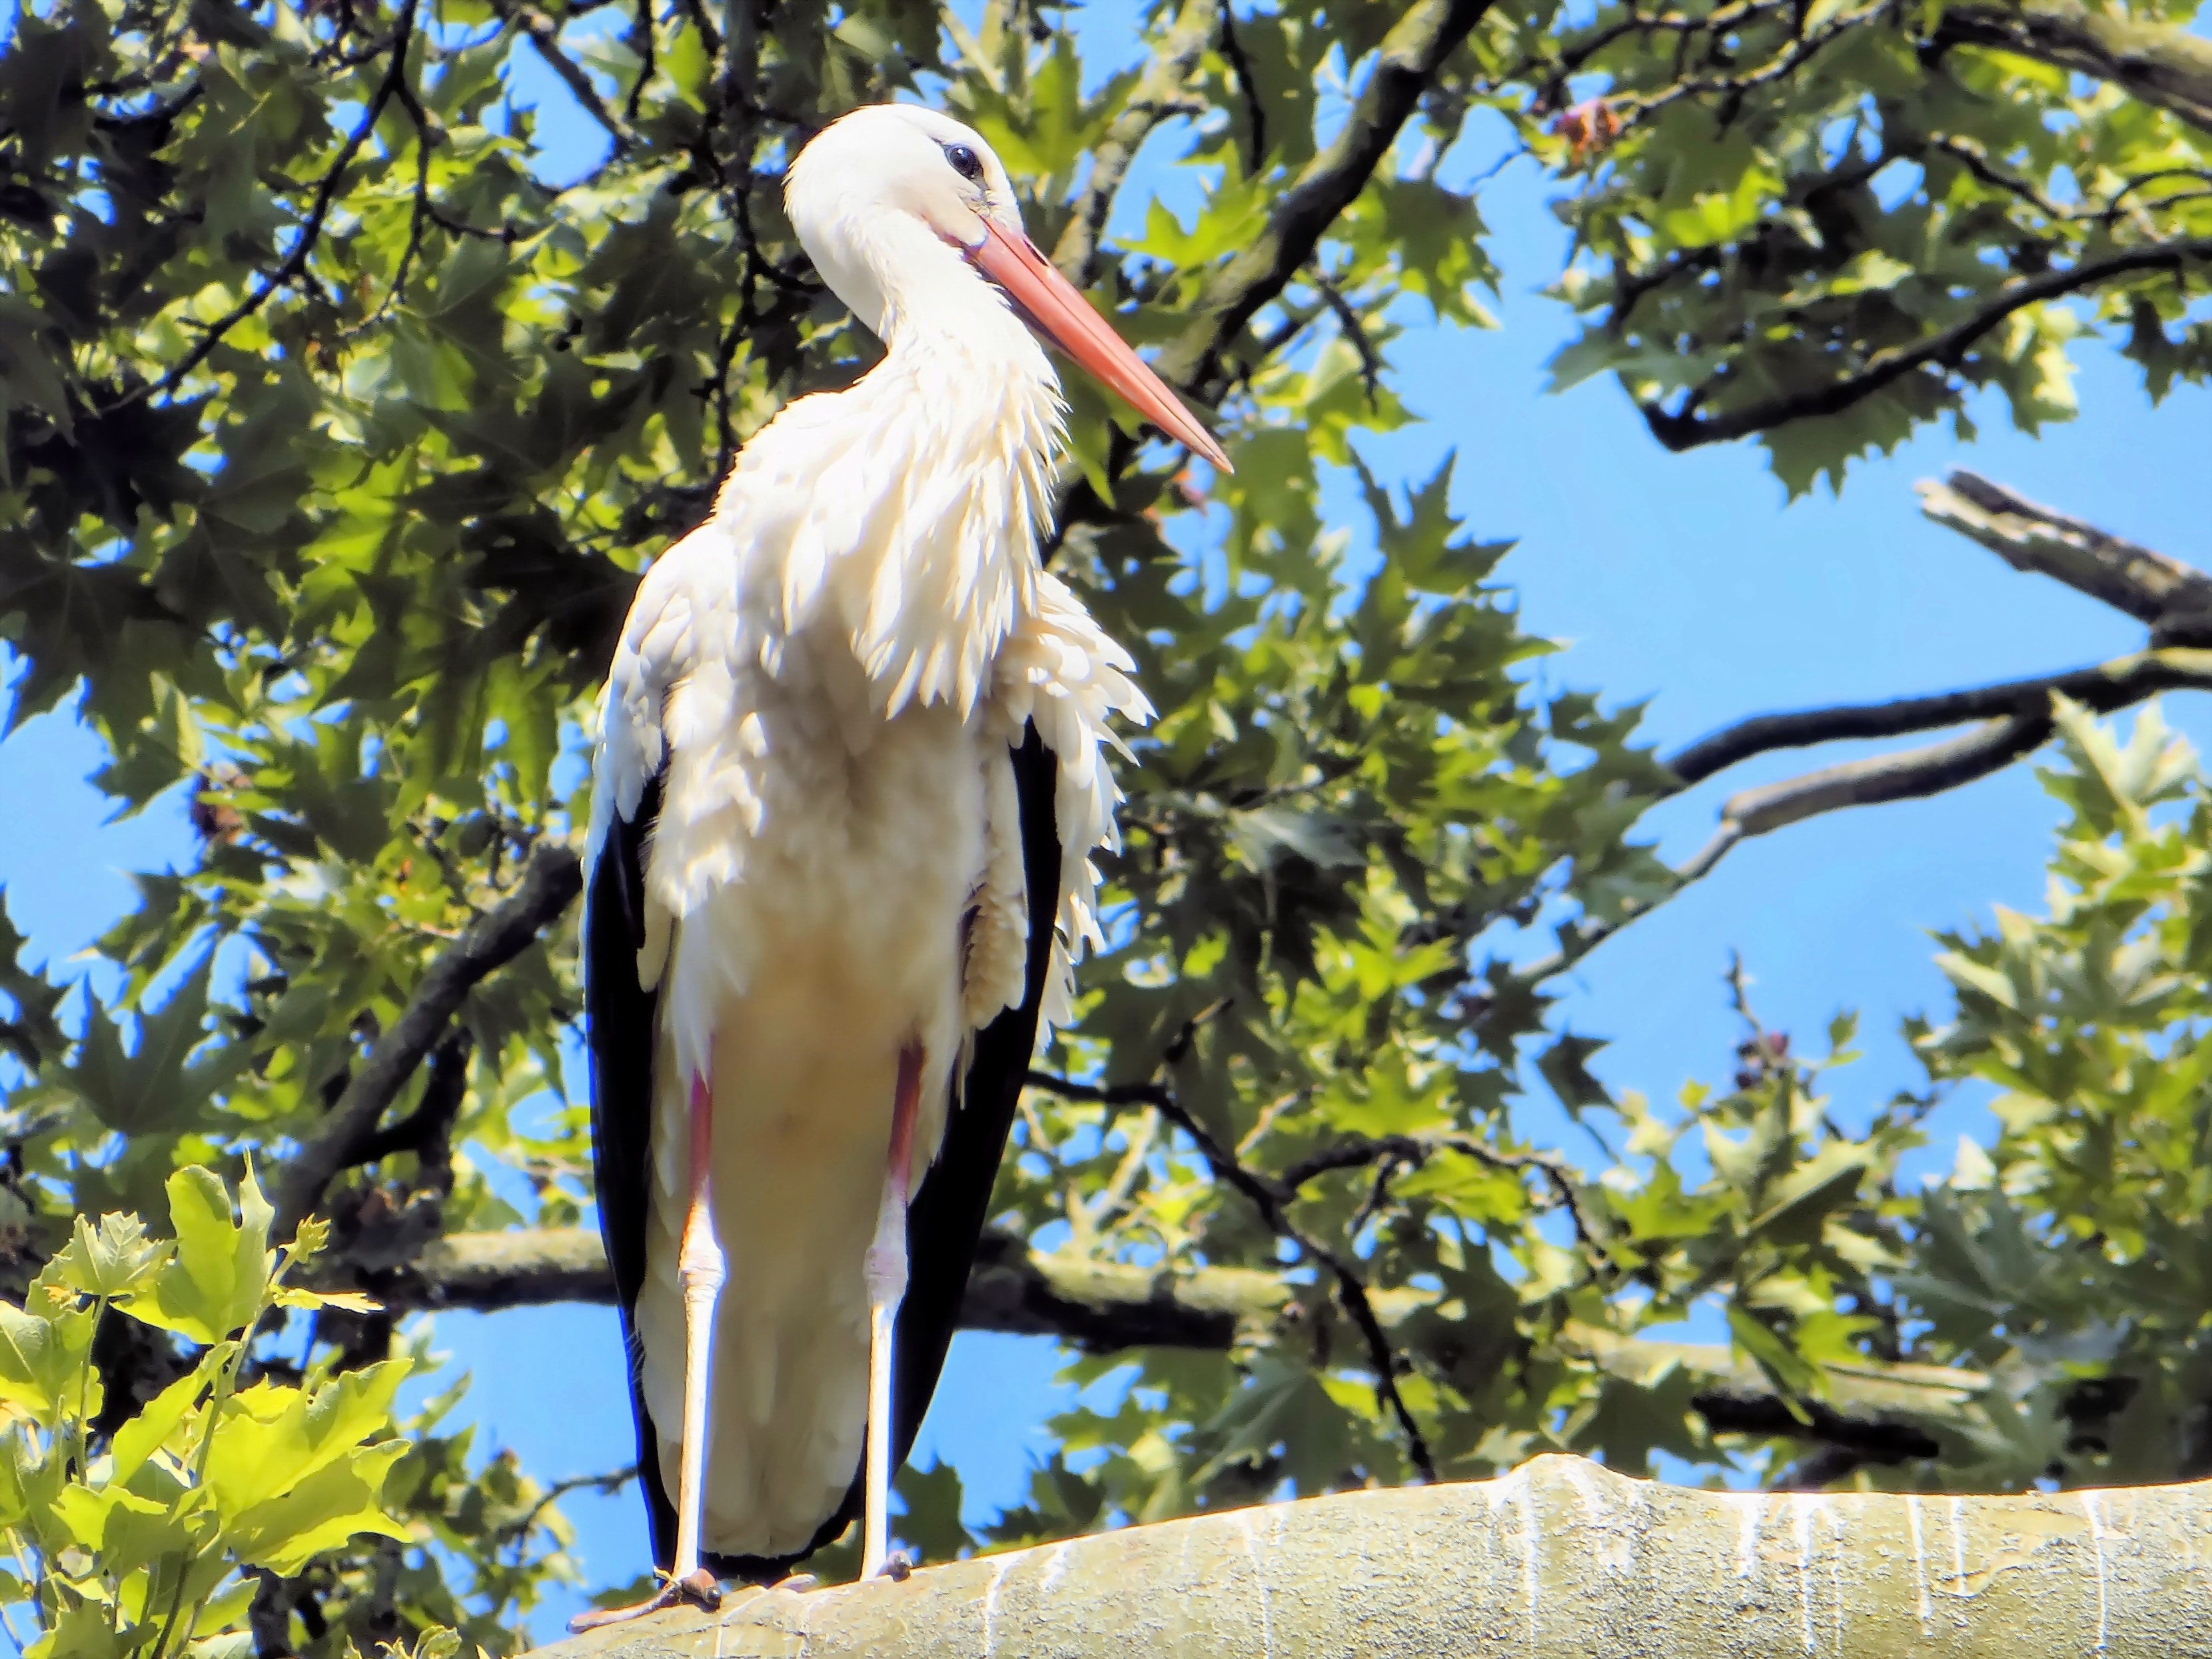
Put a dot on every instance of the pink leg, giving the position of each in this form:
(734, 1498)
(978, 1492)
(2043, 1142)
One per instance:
(885, 1269)
(701, 1265)
(702, 1269)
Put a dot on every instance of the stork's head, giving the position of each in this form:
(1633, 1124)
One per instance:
(892, 201)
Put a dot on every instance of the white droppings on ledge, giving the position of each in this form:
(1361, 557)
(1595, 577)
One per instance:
(1831, 1513)
(1801, 1517)
(1751, 1510)
(1509, 1488)
(1260, 1578)
(1590, 1495)
(990, 1605)
(1524, 1504)
(2097, 1544)
(1919, 1566)
(1614, 1540)
(1512, 1491)
(1960, 1584)
(1054, 1566)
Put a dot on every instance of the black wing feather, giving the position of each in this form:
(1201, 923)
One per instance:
(944, 1222)
(621, 1019)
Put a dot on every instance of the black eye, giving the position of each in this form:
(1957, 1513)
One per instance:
(965, 162)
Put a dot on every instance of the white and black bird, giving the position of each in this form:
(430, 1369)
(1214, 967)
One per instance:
(848, 784)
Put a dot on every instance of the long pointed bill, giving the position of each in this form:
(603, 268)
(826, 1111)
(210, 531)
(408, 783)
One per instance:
(1056, 306)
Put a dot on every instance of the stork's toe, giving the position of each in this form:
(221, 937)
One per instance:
(699, 1589)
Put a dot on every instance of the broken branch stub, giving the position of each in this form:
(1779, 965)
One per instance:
(1560, 1558)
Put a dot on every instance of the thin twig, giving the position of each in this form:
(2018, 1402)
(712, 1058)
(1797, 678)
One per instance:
(545, 35)
(1255, 116)
(1378, 1194)
(1359, 1152)
(641, 34)
(518, 1531)
(1408, 61)
(550, 881)
(1683, 428)
(1348, 319)
(1969, 155)
(311, 229)
(1161, 92)
(418, 214)
(1265, 1196)
(1633, 109)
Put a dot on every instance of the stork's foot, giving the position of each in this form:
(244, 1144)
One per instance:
(897, 1567)
(699, 1589)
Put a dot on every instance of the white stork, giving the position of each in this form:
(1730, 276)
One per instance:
(848, 787)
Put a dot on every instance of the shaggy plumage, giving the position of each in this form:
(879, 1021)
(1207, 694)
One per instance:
(848, 791)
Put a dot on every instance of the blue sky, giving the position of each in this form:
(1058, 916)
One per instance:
(1682, 580)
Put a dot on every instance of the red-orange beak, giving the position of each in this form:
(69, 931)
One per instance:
(1059, 311)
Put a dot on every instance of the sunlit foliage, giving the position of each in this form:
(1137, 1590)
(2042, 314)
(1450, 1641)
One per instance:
(333, 438)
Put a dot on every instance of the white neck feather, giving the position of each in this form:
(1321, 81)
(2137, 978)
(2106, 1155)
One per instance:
(920, 491)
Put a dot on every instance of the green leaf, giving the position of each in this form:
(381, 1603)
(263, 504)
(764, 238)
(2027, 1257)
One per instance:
(336, 1503)
(156, 1087)
(218, 1281)
(158, 1420)
(929, 1519)
(1802, 1201)
(19, 1472)
(1790, 1372)
(270, 1438)
(111, 1259)
(1565, 1067)
(43, 1350)
(81, 1629)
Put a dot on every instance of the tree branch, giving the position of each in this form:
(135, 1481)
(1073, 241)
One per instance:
(2016, 715)
(1103, 1307)
(1411, 56)
(2101, 689)
(2157, 62)
(520, 1267)
(1864, 1439)
(551, 880)
(1928, 770)
(1159, 94)
(2173, 598)
(1931, 769)
(1685, 428)
(432, 1117)
(1110, 1307)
